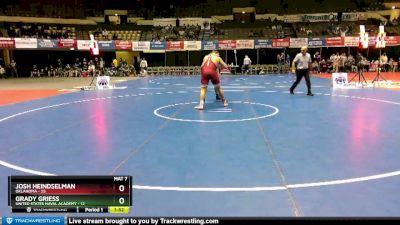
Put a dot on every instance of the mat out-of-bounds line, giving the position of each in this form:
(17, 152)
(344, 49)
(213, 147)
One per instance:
(227, 189)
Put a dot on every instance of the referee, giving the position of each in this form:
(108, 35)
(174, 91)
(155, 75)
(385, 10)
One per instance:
(303, 65)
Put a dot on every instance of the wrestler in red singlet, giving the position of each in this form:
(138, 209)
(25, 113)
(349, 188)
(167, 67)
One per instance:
(209, 71)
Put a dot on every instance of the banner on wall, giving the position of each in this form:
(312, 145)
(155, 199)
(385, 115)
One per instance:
(123, 45)
(83, 44)
(244, 44)
(106, 45)
(281, 43)
(140, 45)
(47, 43)
(158, 45)
(32, 43)
(371, 41)
(298, 42)
(392, 40)
(163, 22)
(316, 42)
(175, 45)
(193, 21)
(192, 45)
(263, 43)
(209, 45)
(293, 18)
(227, 44)
(351, 41)
(67, 43)
(25, 43)
(319, 17)
(7, 42)
(335, 42)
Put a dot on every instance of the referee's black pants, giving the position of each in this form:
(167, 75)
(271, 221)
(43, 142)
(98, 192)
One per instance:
(300, 73)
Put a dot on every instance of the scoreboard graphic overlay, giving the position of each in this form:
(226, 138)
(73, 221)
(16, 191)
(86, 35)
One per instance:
(74, 194)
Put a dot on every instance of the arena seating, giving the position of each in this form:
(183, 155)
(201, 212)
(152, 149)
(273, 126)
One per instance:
(131, 35)
(40, 31)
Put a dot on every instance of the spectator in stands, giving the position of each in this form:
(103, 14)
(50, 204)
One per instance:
(335, 58)
(115, 63)
(309, 32)
(13, 69)
(121, 62)
(323, 66)
(76, 70)
(390, 65)
(395, 22)
(331, 17)
(85, 67)
(246, 64)
(92, 68)
(143, 73)
(143, 65)
(280, 60)
(317, 57)
(365, 64)
(315, 67)
(350, 63)
(316, 62)
(67, 71)
(343, 32)
(96, 63)
(384, 61)
(59, 64)
(35, 71)
(101, 66)
(77, 63)
(342, 62)
(251, 34)
(395, 66)
(105, 34)
(135, 64)
(287, 60)
(2, 72)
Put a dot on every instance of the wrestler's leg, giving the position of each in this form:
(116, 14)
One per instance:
(218, 89)
(203, 93)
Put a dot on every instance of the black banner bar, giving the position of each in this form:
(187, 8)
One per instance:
(216, 220)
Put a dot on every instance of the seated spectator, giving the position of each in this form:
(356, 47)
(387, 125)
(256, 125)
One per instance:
(35, 71)
(309, 32)
(390, 65)
(324, 66)
(2, 72)
(315, 66)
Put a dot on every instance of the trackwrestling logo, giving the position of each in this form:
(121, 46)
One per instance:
(33, 220)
